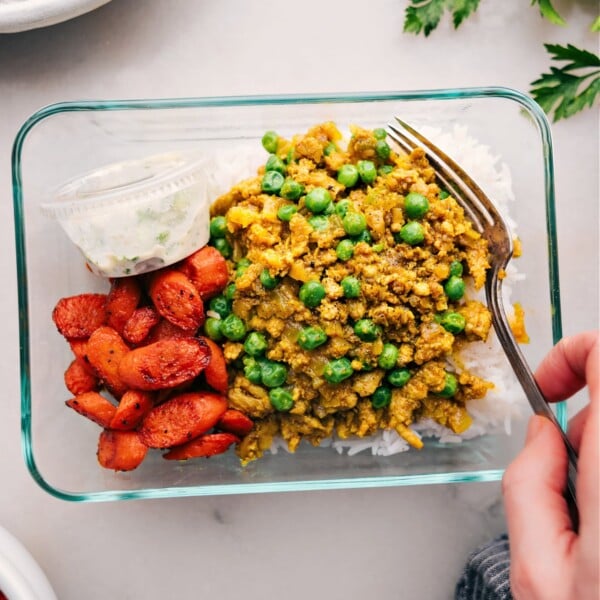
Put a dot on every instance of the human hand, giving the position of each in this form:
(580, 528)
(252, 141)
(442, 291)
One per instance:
(549, 560)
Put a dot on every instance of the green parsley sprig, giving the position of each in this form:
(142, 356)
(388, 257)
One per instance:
(572, 87)
(425, 15)
(563, 91)
(549, 12)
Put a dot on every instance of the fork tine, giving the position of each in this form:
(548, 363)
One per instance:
(444, 175)
(456, 172)
(451, 175)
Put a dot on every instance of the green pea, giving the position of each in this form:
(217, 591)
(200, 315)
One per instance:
(268, 281)
(223, 246)
(218, 226)
(415, 205)
(212, 328)
(381, 397)
(388, 357)
(382, 150)
(366, 330)
(412, 233)
(233, 328)
(345, 250)
(291, 189)
(329, 149)
(319, 222)
(348, 176)
(444, 194)
(453, 322)
(330, 209)
(252, 371)
(399, 377)
(286, 212)
(317, 200)
(354, 223)
(310, 338)
(220, 305)
(272, 374)
(342, 207)
(290, 156)
(385, 169)
(450, 386)
(272, 182)
(241, 267)
(350, 287)
(337, 370)
(364, 236)
(378, 247)
(311, 294)
(379, 133)
(454, 288)
(269, 141)
(229, 291)
(274, 163)
(367, 171)
(281, 399)
(255, 344)
(456, 268)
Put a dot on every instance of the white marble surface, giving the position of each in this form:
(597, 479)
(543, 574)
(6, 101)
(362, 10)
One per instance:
(397, 543)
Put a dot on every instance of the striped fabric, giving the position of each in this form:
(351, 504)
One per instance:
(486, 574)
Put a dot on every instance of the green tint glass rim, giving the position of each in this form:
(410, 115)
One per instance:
(520, 98)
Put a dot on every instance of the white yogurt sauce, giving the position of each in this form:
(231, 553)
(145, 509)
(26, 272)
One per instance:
(136, 216)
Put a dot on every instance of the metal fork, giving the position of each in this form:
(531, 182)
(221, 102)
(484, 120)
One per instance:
(488, 221)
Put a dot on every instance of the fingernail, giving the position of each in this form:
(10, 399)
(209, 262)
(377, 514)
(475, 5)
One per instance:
(535, 425)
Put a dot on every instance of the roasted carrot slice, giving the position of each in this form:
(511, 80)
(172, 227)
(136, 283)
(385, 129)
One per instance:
(139, 324)
(93, 406)
(181, 419)
(216, 370)
(205, 445)
(207, 270)
(164, 364)
(164, 330)
(236, 422)
(105, 350)
(79, 316)
(161, 396)
(78, 348)
(79, 379)
(123, 298)
(177, 299)
(120, 450)
(133, 407)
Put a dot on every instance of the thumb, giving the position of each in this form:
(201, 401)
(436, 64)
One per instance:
(536, 511)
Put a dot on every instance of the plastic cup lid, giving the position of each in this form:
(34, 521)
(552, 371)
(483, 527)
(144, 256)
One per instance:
(130, 181)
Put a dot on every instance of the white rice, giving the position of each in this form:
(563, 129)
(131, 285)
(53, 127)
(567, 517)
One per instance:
(491, 414)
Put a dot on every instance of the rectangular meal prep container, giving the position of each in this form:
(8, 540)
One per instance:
(64, 140)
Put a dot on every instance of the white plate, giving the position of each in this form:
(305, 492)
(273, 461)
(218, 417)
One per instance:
(22, 15)
(21, 578)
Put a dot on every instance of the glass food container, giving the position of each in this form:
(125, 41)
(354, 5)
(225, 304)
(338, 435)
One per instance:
(63, 141)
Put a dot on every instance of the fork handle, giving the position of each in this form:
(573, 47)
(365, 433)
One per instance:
(538, 402)
(540, 407)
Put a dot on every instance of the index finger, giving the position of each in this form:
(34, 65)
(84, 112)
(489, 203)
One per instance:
(567, 367)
